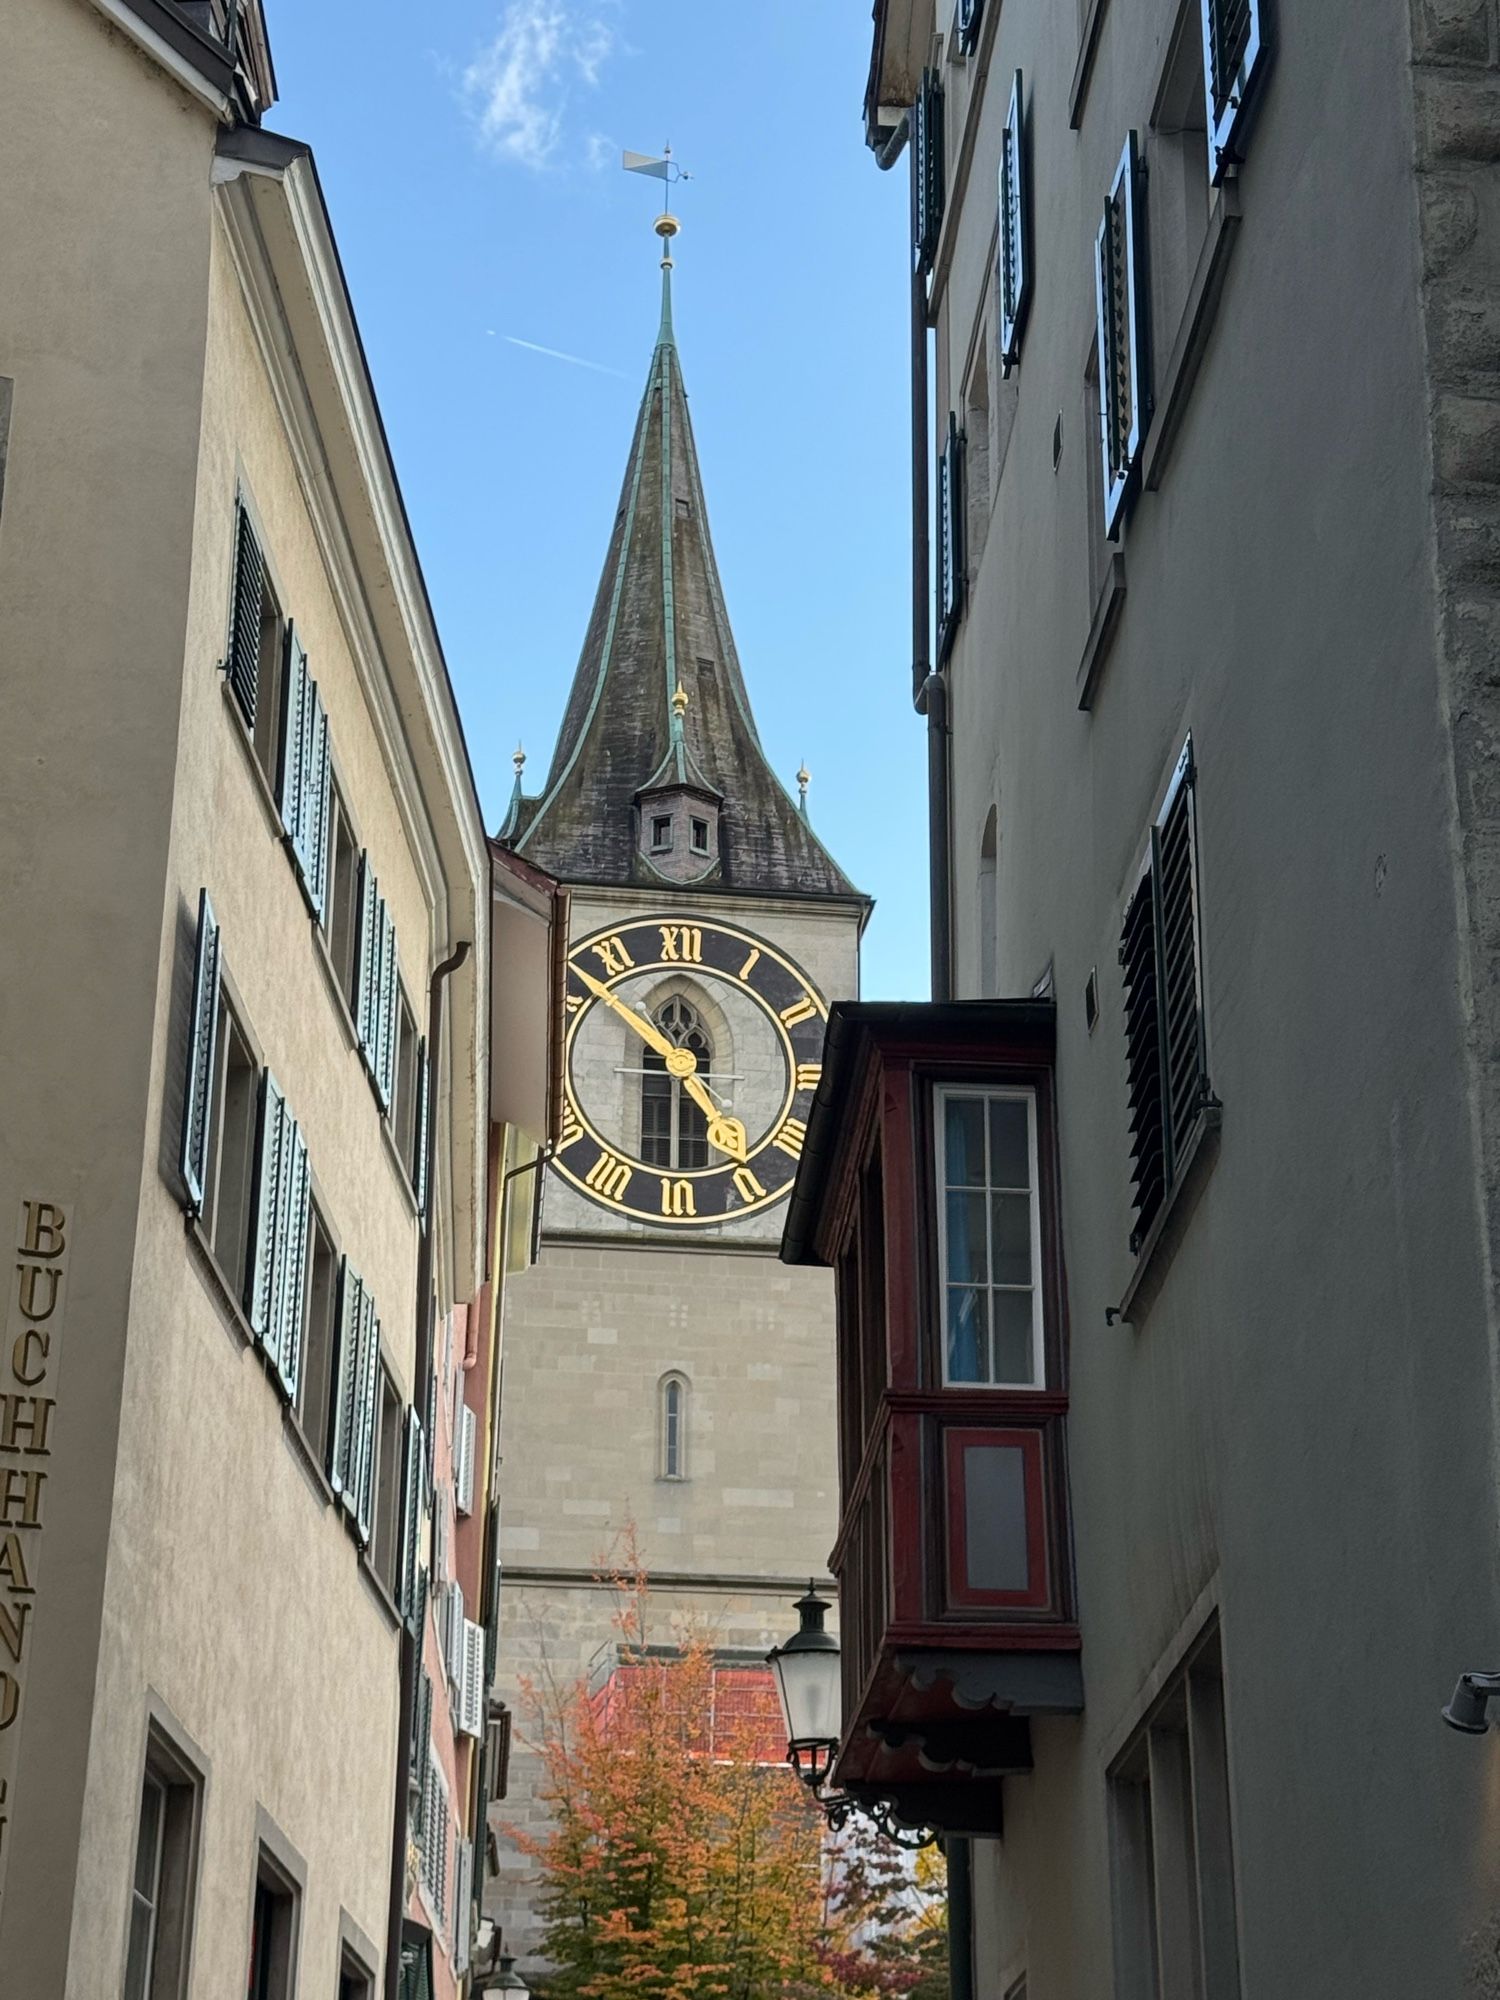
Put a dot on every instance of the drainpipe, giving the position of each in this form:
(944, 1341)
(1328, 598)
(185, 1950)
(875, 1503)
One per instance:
(411, 1648)
(960, 1855)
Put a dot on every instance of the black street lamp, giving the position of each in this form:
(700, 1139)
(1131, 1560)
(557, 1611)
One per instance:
(807, 1680)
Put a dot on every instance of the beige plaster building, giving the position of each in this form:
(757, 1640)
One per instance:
(244, 1018)
(663, 1373)
(1205, 405)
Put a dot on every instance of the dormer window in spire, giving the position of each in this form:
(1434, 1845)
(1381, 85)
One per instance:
(678, 831)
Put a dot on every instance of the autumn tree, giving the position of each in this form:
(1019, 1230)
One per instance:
(683, 1860)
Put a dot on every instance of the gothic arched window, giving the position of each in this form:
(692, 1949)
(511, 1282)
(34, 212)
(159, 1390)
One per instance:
(674, 1131)
(674, 1427)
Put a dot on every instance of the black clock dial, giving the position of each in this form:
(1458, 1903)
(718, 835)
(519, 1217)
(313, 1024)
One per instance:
(749, 1166)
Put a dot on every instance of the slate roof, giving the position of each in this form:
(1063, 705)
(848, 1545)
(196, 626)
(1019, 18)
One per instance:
(659, 624)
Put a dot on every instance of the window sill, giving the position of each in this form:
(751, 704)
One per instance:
(230, 1309)
(376, 1585)
(335, 990)
(398, 1165)
(1102, 629)
(1165, 1233)
(246, 742)
(1083, 70)
(1193, 330)
(301, 1446)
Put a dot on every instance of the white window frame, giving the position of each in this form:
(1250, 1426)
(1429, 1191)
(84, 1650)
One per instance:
(944, 1095)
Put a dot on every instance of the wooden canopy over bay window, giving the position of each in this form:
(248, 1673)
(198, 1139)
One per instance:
(928, 1183)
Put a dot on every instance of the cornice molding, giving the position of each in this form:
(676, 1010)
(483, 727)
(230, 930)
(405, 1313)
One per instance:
(177, 46)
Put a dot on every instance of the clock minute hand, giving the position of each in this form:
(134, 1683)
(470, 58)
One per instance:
(649, 1034)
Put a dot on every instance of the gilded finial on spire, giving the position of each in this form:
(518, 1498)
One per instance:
(519, 760)
(680, 704)
(804, 779)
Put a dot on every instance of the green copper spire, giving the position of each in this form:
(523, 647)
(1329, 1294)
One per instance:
(667, 227)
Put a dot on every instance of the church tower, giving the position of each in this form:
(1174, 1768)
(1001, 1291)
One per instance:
(663, 1370)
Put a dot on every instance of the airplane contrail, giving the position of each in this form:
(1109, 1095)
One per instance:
(556, 354)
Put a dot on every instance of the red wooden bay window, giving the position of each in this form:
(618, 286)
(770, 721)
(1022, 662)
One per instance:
(929, 1183)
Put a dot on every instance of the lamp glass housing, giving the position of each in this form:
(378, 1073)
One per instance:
(807, 1670)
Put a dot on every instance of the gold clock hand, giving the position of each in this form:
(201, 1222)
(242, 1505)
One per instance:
(679, 1062)
(724, 1133)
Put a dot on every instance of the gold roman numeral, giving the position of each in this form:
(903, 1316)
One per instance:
(790, 1137)
(572, 1130)
(608, 1176)
(682, 941)
(750, 963)
(808, 1075)
(746, 1186)
(677, 1198)
(574, 1002)
(613, 956)
(800, 1010)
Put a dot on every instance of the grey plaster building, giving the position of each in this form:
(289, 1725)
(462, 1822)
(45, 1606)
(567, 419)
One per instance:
(662, 1371)
(1205, 300)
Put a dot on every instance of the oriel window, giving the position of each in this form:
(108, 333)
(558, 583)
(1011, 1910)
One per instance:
(990, 1237)
(674, 1130)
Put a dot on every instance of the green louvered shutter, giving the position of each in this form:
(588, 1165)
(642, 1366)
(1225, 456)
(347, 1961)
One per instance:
(419, 1164)
(295, 719)
(367, 1413)
(1123, 334)
(313, 856)
(203, 1042)
(367, 959)
(1234, 50)
(268, 1214)
(291, 1285)
(413, 1481)
(951, 553)
(246, 604)
(388, 1011)
(346, 1384)
(1014, 232)
(929, 166)
(421, 1750)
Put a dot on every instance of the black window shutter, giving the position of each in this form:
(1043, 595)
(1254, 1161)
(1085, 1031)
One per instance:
(928, 166)
(1014, 233)
(1165, 1046)
(197, 1110)
(951, 553)
(1148, 1169)
(1234, 50)
(1123, 329)
(243, 664)
(970, 14)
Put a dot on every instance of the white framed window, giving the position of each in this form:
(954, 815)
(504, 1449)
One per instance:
(989, 1237)
(673, 1426)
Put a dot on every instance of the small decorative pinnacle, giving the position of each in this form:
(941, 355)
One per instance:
(680, 704)
(804, 779)
(519, 760)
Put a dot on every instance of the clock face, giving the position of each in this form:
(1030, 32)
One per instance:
(693, 1049)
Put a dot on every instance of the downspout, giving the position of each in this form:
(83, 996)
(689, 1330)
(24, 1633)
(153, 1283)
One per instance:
(411, 1653)
(960, 1855)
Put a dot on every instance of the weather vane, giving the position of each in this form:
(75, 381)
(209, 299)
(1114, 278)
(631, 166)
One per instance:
(659, 167)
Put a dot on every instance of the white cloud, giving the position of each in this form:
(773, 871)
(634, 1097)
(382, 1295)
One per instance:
(518, 86)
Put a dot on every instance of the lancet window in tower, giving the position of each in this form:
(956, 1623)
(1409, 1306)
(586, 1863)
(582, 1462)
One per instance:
(674, 1131)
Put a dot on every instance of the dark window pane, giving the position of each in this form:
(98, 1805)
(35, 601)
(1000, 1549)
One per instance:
(1010, 1153)
(1014, 1361)
(692, 1133)
(995, 1518)
(1012, 1237)
(967, 1258)
(964, 1142)
(968, 1334)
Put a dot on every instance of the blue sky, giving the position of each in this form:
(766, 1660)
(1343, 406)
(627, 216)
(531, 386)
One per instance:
(471, 157)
